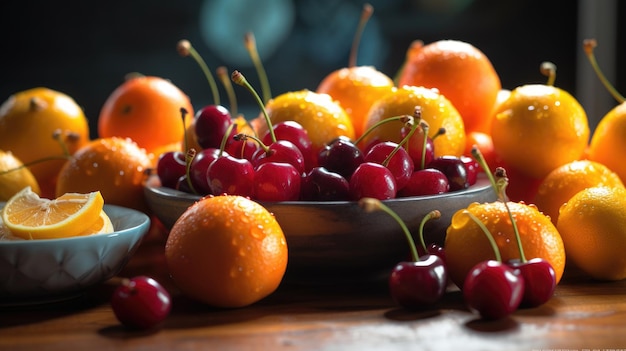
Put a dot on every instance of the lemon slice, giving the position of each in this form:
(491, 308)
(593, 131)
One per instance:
(31, 217)
(102, 225)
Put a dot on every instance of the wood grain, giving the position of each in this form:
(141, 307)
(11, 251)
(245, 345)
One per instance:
(583, 314)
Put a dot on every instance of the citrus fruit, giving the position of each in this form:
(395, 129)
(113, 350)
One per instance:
(437, 111)
(466, 243)
(146, 109)
(322, 117)
(484, 143)
(567, 180)
(539, 128)
(461, 72)
(593, 226)
(31, 217)
(356, 88)
(28, 122)
(609, 140)
(117, 167)
(15, 180)
(226, 251)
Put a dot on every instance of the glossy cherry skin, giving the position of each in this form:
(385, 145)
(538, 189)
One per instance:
(340, 156)
(428, 181)
(245, 148)
(199, 167)
(294, 132)
(276, 181)
(454, 169)
(280, 151)
(141, 303)
(320, 184)
(493, 290)
(415, 146)
(418, 284)
(472, 168)
(211, 124)
(433, 249)
(539, 281)
(400, 164)
(372, 180)
(231, 175)
(171, 166)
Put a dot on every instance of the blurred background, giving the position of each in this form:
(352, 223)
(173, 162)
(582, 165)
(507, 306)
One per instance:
(85, 48)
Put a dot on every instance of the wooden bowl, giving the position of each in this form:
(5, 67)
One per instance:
(338, 240)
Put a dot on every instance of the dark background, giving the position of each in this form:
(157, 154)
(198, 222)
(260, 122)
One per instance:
(85, 48)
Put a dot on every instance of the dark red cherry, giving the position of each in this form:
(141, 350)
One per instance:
(199, 167)
(472, 167)
(320, 184)
(427, 181)
(280, 151)
(539, 281)
(454, 169)
(419, 284)
(277, 181)
(171, 165)
(294, 132)
(231, 175)
(211, 124)
(493, 289)
(141, 303)
(372, 180)
(340, 156)
(400, 164)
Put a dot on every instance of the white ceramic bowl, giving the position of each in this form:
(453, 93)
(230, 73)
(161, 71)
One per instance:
(329, 240)
(47, 270)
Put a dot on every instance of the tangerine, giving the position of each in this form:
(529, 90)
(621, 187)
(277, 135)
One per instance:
(117, 167)
(461, 72)
(609, 139)
(321, 116)
(42, 124)
(466, 244)
(146, 109)
(226, 251)
(593, 226)
(436, 110)
(567, 180)
(539, 128)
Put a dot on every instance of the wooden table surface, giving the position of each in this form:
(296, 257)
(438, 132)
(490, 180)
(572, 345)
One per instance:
(583, 315)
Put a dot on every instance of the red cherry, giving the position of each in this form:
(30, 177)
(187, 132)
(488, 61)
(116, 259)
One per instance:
(170, 167)
(539, 281)
(294, 132)
(372, 180)
(493, 289)
(199, 167)
(280, 151)
(418, 284)
(340, 156)
(231, 175)
(211, 124)
(276, 181)
(400, 164)
(141, 303)
(454, 169)
(320, 184)
(428, 181)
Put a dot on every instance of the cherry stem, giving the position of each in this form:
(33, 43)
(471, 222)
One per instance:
(410, 121)
(183, 116)
(589, 45)
(242, 136)
(189, 156)
(367, 12)
(441, 131)
(425, 128)
(503, 181)
(488, 234)
(478, 156)
(185, 49)
(402, 118)
(222, 74)
(548, 69)
(225, 139)
(434, 214)
(239, 79)
(250, 44)
(369, 204)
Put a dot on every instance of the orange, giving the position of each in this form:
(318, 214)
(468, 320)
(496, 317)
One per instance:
(31, 217)
(461, 72)
(28, 122)
(356, 88)
(539, 128)
(146, 109)
(593, 226)
(15, 180)
(567, 180)
(117, 167)
(322, 117)
(609, 140)
(467, 245)
(484, 143)
(226, 251)
(437, 111)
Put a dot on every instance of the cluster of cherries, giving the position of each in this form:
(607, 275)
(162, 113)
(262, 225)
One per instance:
(283, 164)
(494, 289)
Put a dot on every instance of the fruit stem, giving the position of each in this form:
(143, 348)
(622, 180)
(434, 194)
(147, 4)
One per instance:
(425, 128)
(189, 156)
(441, 131)
(410, 121)
(548, 69)
(369, 204)
(185, 49)
(503, 181)
(365, 16)
(239, 79)
(250, 44)
(478, 156)
(222, 74)
(589, 45)
(488, 234)
(183, 116)
(225, 138)
(402, 118)
(242, 136)
(434, 214)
